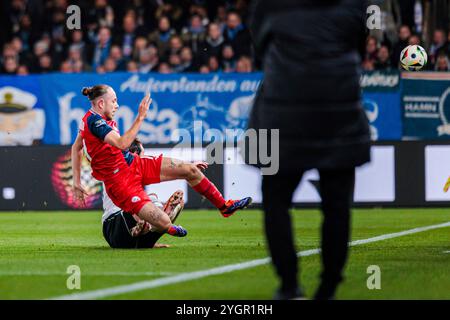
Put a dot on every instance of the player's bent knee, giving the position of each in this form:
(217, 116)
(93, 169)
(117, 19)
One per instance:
(159, 220)
(192, 172)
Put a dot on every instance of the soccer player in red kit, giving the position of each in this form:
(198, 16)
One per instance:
(125, 174)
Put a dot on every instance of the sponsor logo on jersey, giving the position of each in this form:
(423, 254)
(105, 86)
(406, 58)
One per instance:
(135, 199)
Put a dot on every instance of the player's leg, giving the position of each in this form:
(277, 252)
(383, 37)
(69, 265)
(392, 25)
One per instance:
(172, 169)
(173, 207)
(277, 193)
(336, 189)
(159, 220)
(131, 198)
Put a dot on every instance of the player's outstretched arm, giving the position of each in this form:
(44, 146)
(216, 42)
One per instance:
(123, 142)
(77, 154)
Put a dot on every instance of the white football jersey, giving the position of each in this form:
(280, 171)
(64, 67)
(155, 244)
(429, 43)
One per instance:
(109, 208)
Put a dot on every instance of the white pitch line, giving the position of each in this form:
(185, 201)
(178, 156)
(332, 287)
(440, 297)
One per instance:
(97, 274)
(183, 277)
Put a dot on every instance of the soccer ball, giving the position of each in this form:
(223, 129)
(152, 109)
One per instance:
(413, 58)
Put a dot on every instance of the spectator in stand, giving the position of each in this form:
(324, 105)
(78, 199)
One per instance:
(10, 60)
(175, 63)
(228, 60)
(17, 10)
(57, 35)
(148, 60)
(110, 65)
(175, 46)
(437, 47)
(194, 34)
(371, 49)
(172, 11)
(414, 40)
(213, 64)
(24, 56)
(221, 17)
(187, 62)
(132, 66)
(213, 43)
(204, 69)
(164, 68)
(383, 61)
(126, 38)
(77, 41)
(79, 67)
(75, 58)
(66, 67)
(116, 54)
(244, 65)
(25, 34)
(45, 64)
(442, 63)
(101, 50)
(237, 34)
(403, 37)
(22, 70)
(102, 14)
(40, 48)
(140, 44)
(368, 65)
(162, 35)
(10, 66)
(199, 10)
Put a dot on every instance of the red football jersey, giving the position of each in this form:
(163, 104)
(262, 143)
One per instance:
(105, 159)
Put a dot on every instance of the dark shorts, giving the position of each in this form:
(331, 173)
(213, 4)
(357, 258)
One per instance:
(117, 232)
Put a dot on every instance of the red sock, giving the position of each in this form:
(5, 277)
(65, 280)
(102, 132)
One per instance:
(207, 189)
(172, 230)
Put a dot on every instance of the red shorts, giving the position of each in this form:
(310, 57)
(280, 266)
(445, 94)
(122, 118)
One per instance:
(126, 188)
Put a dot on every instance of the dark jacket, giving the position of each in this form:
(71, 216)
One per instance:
(310, 56)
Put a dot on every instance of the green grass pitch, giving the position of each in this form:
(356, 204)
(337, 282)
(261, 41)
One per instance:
(37, 247)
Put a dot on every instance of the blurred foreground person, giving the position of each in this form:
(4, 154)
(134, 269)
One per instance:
(311, 54)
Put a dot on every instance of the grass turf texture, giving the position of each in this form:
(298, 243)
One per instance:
(37, 247)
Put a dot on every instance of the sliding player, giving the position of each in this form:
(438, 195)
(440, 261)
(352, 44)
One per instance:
(125, 231)
(124, 174)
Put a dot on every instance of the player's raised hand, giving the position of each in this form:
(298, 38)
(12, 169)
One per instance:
(144, 105)
(202, 165)
(80, 194)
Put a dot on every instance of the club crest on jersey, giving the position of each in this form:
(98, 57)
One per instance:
(135, 199)
(100, 122)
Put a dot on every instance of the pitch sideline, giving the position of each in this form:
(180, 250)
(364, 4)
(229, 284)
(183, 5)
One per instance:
(182, 277)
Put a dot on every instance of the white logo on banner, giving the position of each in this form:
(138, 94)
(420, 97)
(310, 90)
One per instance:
(20, 122)
(156, 128)
(372, 110)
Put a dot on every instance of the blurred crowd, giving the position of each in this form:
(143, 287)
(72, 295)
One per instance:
(171, 36)
(409, 22)
(165, 36)
(382, 55)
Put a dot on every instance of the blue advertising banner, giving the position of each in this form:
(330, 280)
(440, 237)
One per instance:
(381, 100)
(22, 119)
(194, 102)
(384, 114)
(50, 107)
(426, 105)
